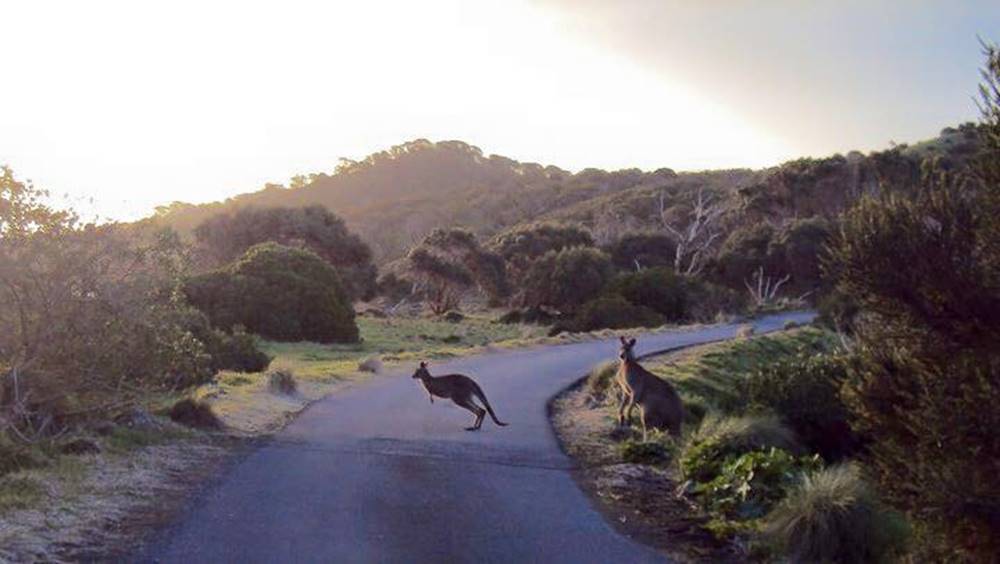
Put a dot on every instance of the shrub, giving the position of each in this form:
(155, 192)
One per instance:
(522, 245)
(226, 236)
(193, 413)
(601, 380)
(282, 381)
(611, 312)
(805, 392)
(530, 315)
(832, 516)
(279, 292)
(635, 451)
(707, 301)
(372, 364)
(15, 456)
(923, 265)
(20, 492)
(566, 279)
(658, 289)
(719, 438)
(643, 250)
(748, 485)
(453, 316)
(394, 288)
(237, 352)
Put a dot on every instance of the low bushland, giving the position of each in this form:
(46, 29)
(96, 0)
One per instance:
(832, 515)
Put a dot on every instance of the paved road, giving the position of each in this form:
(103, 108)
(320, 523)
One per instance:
(377, 474)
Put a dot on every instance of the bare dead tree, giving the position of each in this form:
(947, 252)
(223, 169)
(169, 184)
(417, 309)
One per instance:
(764, 289)
(695, 238)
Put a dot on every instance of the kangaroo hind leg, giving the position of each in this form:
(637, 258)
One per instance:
(479, 412)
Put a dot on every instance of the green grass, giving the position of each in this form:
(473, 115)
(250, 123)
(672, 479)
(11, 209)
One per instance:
(711, 376)
(398, 340)
(125, 439)
(20, 491)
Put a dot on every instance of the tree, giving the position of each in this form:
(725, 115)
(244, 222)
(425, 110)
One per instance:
(226, 236)
(522, 245)
(278, 292)
(637, 251)
(565, 279)
(449, 261)
(925, 391)
(693, 238)
(91, 318)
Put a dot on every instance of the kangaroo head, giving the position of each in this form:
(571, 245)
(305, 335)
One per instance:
(422, 371)
(625, 353)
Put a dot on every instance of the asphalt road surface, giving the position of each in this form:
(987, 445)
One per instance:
(378, 474)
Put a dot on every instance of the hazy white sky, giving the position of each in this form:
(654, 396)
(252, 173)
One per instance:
(134, 104)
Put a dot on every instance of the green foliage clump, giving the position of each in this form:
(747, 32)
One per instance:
(226, 236)
(719, 438)
(748, 485)
(833, 516)
(20, 492)
(522, 245)
(601, 380)
(642, 250)
(566, 279)
(924, 268)
(450, 261)
(805, 392)
(278, 292)
(658, 289)
(238, 352)
(634, 451)
(16, 456)
(610, 312)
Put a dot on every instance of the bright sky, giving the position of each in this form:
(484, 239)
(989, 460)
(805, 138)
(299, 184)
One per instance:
(134, 104)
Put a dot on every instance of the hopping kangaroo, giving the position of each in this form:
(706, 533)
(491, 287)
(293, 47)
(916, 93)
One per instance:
(659, 405)
(459, 389)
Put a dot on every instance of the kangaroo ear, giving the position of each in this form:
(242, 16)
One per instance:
(622, 338)
(423, 364)
(631, 342)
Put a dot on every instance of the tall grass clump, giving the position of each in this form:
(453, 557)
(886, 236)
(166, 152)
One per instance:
(833, 516)
(719, 438)
(282, 381)
(601, 380)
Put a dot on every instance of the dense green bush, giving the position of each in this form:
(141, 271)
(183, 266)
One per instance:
(642, 250)
(238, 352)
(610, 312)
(522, 245)
(566, 279)
(748, 485)
(278, 292)
(925, 391)
(718, 439)
(658, 289)
(706, 301)
(227, 236)
(805, 392)
(832, 516)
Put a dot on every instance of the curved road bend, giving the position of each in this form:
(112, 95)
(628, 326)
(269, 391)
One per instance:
(377, 474)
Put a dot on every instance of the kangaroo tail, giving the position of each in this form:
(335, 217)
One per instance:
(489, 409)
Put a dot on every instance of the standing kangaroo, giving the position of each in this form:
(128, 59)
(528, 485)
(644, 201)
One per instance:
(659, 405)
(459, 389)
